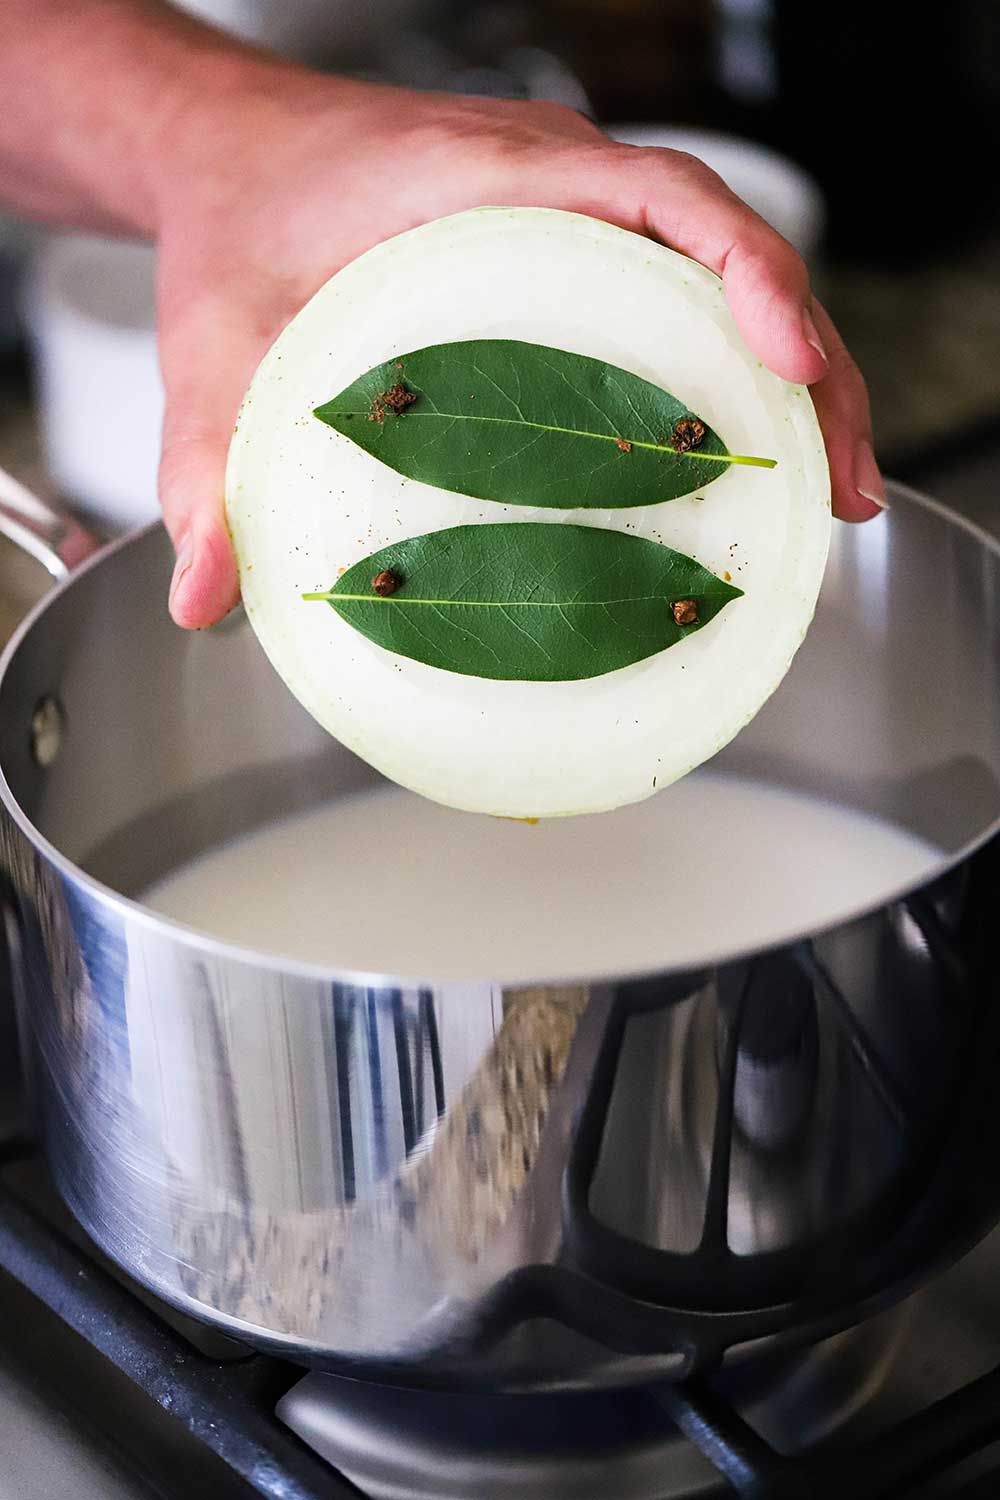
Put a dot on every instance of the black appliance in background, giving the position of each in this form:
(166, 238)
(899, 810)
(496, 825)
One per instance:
(891, 106)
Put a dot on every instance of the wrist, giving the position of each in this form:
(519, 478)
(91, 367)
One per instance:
(206, 83)
(224, 100)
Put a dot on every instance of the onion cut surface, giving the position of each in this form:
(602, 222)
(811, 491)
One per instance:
(304, 503)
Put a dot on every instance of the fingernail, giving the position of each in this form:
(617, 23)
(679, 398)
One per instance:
(185, 557)
(811, 335)
(867, 477)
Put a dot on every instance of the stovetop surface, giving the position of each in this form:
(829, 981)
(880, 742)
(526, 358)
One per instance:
(148, 1413)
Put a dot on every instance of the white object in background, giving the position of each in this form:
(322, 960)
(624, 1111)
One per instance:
(781, 192)
(308, 29)
(91, 321)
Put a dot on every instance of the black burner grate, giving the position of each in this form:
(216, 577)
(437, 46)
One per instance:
(228, 1406)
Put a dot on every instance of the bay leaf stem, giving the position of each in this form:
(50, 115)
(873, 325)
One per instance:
(329, 596)
(747, 460)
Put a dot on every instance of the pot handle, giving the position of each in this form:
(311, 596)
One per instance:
(50, 536)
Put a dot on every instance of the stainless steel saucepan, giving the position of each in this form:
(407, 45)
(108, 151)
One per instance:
(584, 1182)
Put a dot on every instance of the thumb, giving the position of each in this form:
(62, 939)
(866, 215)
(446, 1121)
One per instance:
(207, 361)
(204, 586)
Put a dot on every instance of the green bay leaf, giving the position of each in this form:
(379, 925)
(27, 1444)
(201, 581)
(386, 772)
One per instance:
(521, 423)
(527, 601)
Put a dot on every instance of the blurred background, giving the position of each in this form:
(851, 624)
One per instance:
(866, 132)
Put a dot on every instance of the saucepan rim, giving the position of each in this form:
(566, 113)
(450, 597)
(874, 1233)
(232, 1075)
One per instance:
(218, 948)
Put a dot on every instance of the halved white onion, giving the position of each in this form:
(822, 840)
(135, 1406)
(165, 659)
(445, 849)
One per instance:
(305, 502)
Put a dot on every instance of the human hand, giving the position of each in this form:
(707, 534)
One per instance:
(288, 175)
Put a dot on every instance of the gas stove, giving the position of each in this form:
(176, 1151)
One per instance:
(106, 1393)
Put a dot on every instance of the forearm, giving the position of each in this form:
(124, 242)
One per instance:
(98, 98)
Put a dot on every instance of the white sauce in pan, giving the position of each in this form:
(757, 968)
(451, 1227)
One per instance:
(387, 881)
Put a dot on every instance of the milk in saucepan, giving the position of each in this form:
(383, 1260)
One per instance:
(391, 882)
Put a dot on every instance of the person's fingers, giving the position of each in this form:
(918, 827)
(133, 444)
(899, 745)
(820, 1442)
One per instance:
(841, 402)
(767, 287)
(675, 198)
(207, 359)
(204, 586)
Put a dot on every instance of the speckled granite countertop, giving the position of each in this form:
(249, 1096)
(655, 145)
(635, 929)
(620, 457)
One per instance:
(928, 342)
(20, 444)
